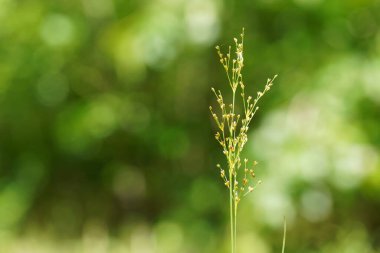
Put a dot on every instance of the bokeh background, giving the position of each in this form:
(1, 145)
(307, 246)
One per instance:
(106, 142)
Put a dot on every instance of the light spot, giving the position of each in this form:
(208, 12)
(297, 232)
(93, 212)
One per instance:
(98, 8)
(169, 237)
(352, 164)
(101, 120)
(202, 22)
(142, 240)
(6, 6)
(273, 204)
(95, 237)
(251, 242)
(370, 77)
(313, 164)
(316, 205)
(57, 30)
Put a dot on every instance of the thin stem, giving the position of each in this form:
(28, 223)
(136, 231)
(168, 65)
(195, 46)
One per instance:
(284, 238)
(231, 215)
(234, 181)
(233, 114)
(233, 101)
(235, 224)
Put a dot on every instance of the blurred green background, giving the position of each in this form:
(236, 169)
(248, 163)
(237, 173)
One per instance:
(106, 142)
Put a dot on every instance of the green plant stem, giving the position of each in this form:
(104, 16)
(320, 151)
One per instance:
(235, 224)
(233, 101)
(231, 216)
(232, 186)
(284, 238)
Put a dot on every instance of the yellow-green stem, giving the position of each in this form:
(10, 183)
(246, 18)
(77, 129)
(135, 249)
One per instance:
(235, 223)
(233, 101)
(284, 238)
(231, 216)
(233, 179)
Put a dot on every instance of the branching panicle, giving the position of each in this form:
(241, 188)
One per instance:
(233, 128)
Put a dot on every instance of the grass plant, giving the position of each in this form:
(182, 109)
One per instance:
(233, 125)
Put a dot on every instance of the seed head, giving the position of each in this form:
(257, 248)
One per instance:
(232, 133)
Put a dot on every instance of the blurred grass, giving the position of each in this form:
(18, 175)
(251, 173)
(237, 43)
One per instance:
(106, 141)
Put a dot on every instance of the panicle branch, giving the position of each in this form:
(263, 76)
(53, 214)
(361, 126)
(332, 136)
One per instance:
(233, 127)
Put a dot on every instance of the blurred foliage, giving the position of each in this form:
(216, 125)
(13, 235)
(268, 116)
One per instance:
(106, 139)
